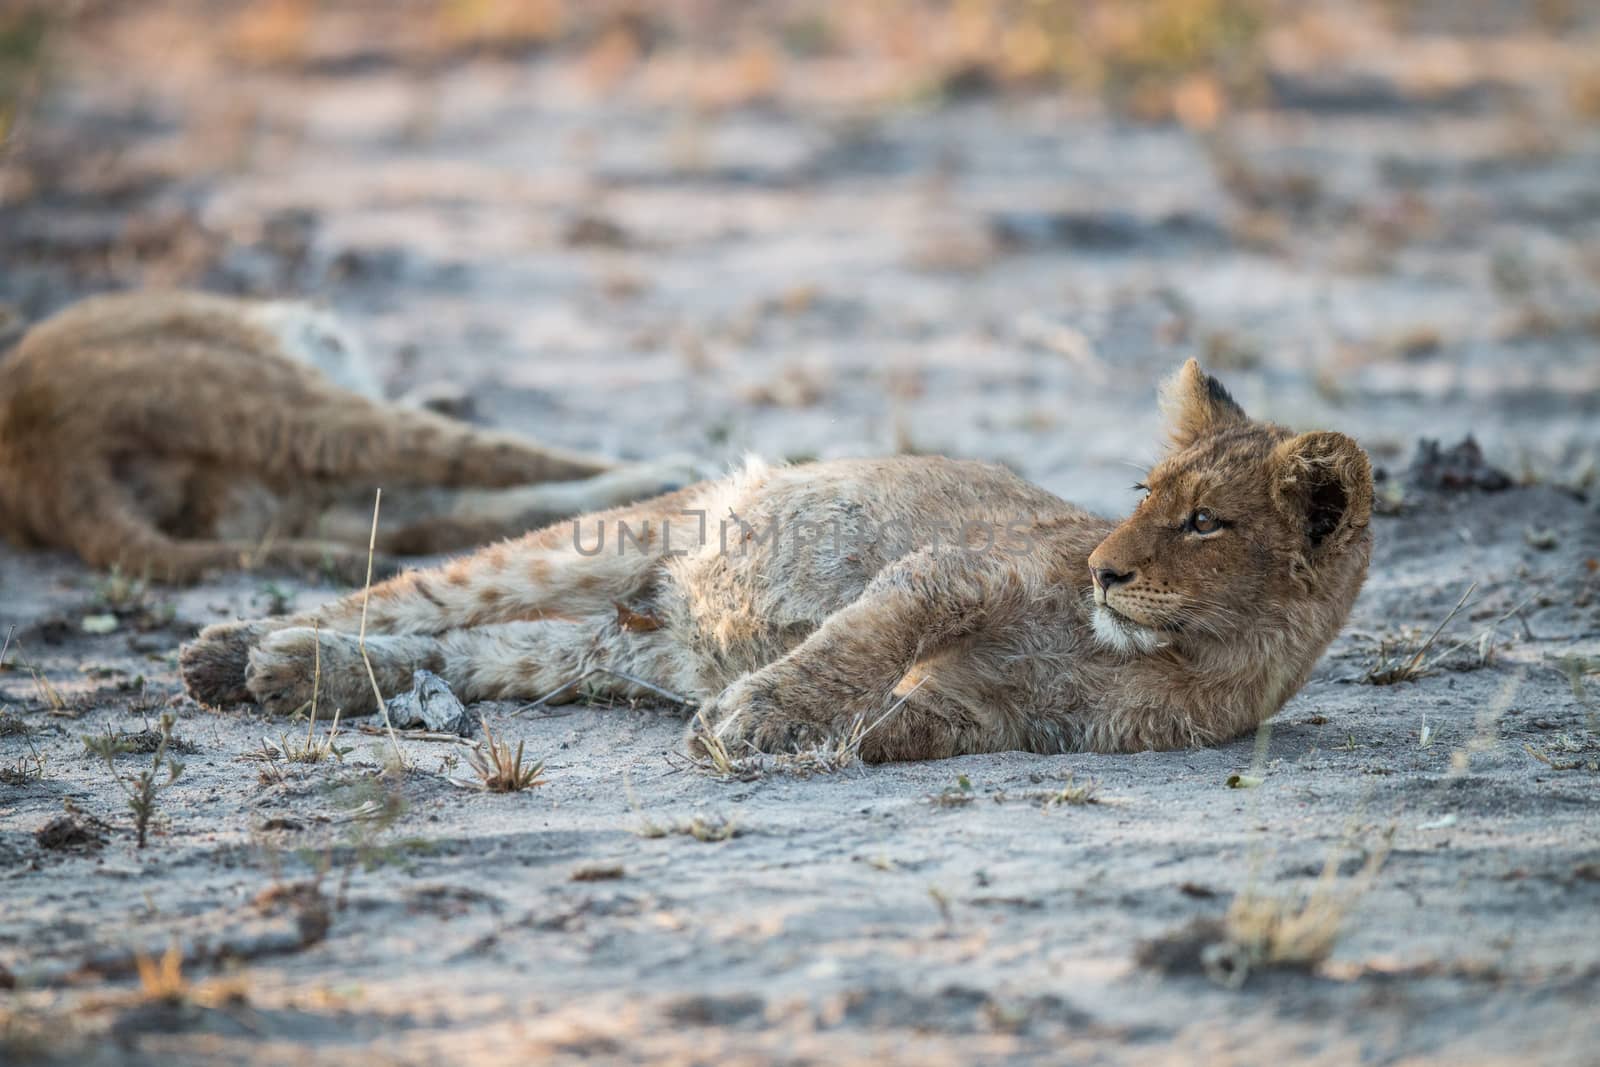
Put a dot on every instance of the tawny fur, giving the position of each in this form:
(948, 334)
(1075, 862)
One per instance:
(954, 587)
(170, 434)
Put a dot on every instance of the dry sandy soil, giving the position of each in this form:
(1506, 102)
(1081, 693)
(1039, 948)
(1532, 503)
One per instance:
(1404, 244)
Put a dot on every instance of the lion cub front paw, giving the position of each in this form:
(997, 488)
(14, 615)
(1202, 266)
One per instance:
(748, 717)
(287, 671)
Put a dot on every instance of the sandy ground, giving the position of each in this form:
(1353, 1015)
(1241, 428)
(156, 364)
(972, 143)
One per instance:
(998, 277)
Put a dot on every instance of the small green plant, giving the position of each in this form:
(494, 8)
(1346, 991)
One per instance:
(24, 47)
(1573, 668)
(956, 796)
(307, 750)
(119, 597)
(275, 596)
(118, 591)
(372, 806)
(143, 789)
(134, 742)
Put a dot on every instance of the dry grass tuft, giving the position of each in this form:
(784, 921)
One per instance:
(1265, 933)
(830, 756)
(1566, 752)
(49, 697)
(1405, 665)
(162, 980)
(500, 768)
(700, 827)
(1286, 933)
(598, 872)
(716, 760)
(310, 750)
(29, 768)
(1073, 793)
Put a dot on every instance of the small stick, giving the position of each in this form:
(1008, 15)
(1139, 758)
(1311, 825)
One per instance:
(898, 704)
(557, 691)
(7, 646)
(366, 594)
(316, 679)
(665, 694)
(1422, 650)
(419, 735)
(1459, 645)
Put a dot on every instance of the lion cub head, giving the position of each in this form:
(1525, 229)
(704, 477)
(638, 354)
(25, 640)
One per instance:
(1245, 528)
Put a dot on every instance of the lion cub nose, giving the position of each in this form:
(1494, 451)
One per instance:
(1105, 577)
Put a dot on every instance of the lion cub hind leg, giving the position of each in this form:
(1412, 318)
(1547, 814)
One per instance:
(511, 661)
(541, 575)
(287, 669)
(550, 573)
(562, 661)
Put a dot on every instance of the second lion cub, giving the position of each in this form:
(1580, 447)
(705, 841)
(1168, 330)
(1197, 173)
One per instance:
(951, 606)
(171, 433)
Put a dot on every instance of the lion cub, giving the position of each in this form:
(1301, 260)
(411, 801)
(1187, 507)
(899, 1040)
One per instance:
(175, 433)
(947, 607)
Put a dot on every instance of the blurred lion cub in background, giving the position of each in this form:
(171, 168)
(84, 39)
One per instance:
(170, 434)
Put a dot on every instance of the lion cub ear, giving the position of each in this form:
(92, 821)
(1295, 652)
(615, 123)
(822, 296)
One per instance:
(1323, 483)
(1196, 405)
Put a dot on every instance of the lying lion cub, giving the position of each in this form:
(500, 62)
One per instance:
(947, 607)
(175, 433)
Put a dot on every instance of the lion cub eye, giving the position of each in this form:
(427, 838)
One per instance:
(1203, 522)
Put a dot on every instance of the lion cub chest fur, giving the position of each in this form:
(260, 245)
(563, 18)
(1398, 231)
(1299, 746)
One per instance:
(773, 553)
